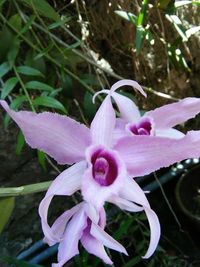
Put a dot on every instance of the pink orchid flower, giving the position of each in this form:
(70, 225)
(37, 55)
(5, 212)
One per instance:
(83, 223)
(103, 168)
(159, 122)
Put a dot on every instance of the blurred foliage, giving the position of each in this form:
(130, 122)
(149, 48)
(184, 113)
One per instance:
(144, 28)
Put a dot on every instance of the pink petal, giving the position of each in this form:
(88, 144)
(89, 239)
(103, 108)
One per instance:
(132, 192)
(128, 109)
(132, 83)
(68, 248)
(62, 138)
(145, 154)
(95, 247)
(154, 232)
(68, 182)
(172, 114)
(97, 232)
(103, 124)
(125, 204)
(59, 225)
(170, 133)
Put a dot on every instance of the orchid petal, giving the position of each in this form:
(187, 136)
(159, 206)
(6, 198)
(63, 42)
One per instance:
(125, 82)
(145, 154)
(68, 248)
(97, 232)
(103, 124)
(104, 91)
(133, 192)
(172, 114)
(68, 182)
(154, 231)
(125, 204)
(95, 247)
(59, 225)
(128, 109)
(56, 135)
(170, 133)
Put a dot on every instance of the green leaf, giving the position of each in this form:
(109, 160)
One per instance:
(16, 103)
(42, 159)
(163, 3)
(12, 54)
(133, 262)
(192, 31)
(177, 57)
(43, 7)
(8, 87)
(19, 263)
(6, 209)
(89, 107)
(181, 3)
(139, 39)
(20, 143)
(29, 71)
(2, 2)
(127, 16)
(35, 85)
(59, 23)
(28, 24)
(16, 22)
(142, 14)
(90, 79)
(4, 68)
(178, 26)
(50, 102)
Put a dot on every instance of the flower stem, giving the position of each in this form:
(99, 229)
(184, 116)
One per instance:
(24, 189)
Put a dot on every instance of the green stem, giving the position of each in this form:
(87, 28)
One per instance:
(24, 190)
(24, 88)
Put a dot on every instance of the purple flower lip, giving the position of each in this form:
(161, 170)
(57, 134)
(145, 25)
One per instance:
(143, 127)
(104, 167)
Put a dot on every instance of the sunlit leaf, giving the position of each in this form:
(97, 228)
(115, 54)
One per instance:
(59, 23)
(192, 31)
(177, 57)
(43, 7)
(8, 87)
(181, 3)
(142, 14)
(6, 209)
(178, 25)
(127, 16)
(29, 71)
(50, 102)
(4, 68)
(163, 3)
(35, 85)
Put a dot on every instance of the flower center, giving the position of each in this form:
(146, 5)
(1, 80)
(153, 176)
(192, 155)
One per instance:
(104, 168)
(144, 127)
